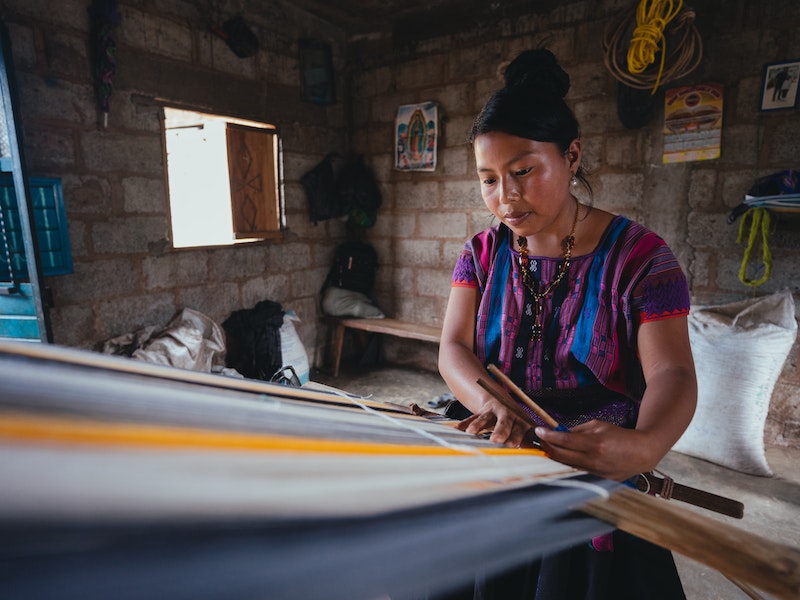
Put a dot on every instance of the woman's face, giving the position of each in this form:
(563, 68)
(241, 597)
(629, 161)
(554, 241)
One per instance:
(525, 183)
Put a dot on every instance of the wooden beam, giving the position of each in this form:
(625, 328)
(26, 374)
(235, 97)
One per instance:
(739, 555)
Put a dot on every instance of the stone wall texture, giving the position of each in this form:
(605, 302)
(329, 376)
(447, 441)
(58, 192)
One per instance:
(127, 276)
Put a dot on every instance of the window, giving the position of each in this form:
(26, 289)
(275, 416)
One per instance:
(223, 179)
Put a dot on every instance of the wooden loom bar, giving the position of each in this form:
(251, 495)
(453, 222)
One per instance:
(737, 554)
(129, 366)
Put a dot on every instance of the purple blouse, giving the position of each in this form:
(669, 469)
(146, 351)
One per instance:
(586, 366)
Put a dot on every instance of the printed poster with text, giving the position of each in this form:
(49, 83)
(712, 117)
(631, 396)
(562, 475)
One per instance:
(692, 123)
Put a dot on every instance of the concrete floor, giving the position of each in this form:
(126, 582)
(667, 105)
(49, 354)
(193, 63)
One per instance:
(772, 505)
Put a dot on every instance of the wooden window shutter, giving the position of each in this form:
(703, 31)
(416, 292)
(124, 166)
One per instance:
(252, 162)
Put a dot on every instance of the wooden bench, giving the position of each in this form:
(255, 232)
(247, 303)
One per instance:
(386, 326)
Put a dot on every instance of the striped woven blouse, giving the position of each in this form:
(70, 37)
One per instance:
(586, 366)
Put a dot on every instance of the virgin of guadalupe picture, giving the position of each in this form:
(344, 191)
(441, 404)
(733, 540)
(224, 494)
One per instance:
(415, 137)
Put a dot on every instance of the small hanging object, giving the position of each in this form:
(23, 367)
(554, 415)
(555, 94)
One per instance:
(635, 108)
(779, 192)
(646, 28)
(238, 35)
(648, 37)
(759, 223)
(104, 18)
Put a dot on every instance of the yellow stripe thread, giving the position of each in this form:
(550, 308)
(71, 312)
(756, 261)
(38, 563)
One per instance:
(25, 428)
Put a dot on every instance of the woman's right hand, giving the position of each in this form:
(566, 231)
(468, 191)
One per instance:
(461, 369)
(509, 427)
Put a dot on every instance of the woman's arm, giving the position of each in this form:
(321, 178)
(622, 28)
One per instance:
(460, 368)
(666, 410)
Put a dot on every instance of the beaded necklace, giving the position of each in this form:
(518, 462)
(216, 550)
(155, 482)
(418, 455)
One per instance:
(532, 285)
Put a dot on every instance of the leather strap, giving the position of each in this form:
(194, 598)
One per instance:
(666, 488)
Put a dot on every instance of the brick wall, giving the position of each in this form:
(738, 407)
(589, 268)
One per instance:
(126, 274)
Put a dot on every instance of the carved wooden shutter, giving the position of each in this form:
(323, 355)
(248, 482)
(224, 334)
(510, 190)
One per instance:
(252, 161)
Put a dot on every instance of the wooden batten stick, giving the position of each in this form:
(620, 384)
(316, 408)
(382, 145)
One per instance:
(540, 412)
(507, 402)
(739, 555)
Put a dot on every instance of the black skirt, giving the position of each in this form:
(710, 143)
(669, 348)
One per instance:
(634, 570)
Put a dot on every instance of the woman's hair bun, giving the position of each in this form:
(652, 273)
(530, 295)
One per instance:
(537, 71)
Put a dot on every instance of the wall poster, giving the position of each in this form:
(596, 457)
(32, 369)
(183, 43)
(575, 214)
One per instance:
(780, 85)
(416, 130)
(692, 123)
(316, 70)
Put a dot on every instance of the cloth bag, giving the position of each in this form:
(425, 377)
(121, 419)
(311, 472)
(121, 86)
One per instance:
(739, 350)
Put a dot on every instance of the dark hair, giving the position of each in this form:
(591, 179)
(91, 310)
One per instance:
(531, 105)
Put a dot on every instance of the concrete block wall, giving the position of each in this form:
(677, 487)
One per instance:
(428, 216)
(126, 274)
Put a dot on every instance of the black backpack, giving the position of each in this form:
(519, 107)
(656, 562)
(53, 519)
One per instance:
(324, 201)
(359, 193)
(336, 189)
(254, 340)
(354, 267)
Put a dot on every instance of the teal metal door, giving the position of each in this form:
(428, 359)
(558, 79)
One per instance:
(22, 310)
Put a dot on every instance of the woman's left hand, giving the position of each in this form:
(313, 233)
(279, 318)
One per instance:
(600, 448)
(664, 413)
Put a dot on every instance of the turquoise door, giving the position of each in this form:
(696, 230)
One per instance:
(22, 310)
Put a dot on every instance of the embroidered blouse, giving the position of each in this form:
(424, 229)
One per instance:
(586, 366)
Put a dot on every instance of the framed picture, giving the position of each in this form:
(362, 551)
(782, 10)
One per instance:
(780, 85)
(416, 133)
(316, 69)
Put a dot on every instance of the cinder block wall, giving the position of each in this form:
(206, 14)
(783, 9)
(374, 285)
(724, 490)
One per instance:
(126, 274)
(428, 216)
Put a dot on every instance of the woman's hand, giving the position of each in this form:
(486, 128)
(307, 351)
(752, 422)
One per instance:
(664, 413)
(601, 448)
(510, 427)
(460, 368)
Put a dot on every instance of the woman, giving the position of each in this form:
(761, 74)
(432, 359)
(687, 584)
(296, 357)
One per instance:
(584, 310)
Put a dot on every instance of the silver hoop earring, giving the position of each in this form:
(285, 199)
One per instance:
(574, 181)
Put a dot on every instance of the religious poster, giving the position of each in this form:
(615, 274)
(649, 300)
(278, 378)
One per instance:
(692, 123)
(415, 137)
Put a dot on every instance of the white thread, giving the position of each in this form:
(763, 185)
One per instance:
(585, 485)
(417, 430)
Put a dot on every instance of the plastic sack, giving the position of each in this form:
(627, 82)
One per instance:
(338, 302)
(292, 349)
(191, 340)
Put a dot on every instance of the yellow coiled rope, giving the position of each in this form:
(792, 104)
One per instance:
(760, 222)
(648, 37)
(683, 56)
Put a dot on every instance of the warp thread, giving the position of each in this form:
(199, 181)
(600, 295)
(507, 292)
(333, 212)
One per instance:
(417, 430)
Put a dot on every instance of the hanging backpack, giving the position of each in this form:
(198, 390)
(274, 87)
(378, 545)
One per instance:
(359, 193)
(322, 193)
